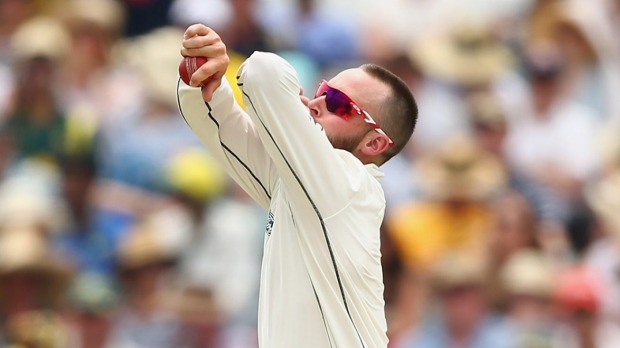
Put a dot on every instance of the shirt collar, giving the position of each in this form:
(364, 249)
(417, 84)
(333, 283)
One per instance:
(374, 170)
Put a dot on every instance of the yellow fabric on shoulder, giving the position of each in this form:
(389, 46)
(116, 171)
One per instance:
(236, 60)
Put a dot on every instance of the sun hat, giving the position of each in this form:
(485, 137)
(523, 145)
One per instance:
(485, 109)
(459, 169)
(527, 272)
(107, 15)
(464, 54)
(608, 145)
(143, 245)
(603, 197)
(590, 22)
(28, 197)
(24, 250)
(578, 288)
(457, 269)
(40, 36)
(155, 57)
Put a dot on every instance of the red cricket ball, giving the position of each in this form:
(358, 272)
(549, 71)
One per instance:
(188, 66)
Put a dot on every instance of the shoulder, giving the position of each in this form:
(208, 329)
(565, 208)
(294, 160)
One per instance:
(360, 174)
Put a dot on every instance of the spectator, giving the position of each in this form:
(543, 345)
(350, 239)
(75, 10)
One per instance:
(513, 229)
(134, 152)
(98, 90)
(90, 237)
(92, 299)
(603, 254)
(12, 14)
(585, 37)
(146, 317)
(552, 126)
(453, 216)
(577, 293)
(526, 280)
(223, 250)
(462, 318)
(490, 129)
(37, 122)
(33, 281)
(460, 59)
(445, 116)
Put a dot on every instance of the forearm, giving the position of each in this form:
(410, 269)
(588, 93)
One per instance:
(298, 146)
(229, 134)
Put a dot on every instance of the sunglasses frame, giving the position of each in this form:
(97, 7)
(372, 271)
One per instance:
(341, 110)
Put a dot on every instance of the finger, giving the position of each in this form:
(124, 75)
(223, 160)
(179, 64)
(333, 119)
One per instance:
(202, 40)
(210, 86)
(195, 30)
(211, 51)
(207, 70)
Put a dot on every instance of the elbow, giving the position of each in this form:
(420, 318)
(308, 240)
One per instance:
(266, 69)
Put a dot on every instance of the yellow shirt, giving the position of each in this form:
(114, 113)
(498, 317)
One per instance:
(424, 231)
(236, 60)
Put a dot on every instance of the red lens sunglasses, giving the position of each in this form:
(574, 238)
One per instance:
(340, 104)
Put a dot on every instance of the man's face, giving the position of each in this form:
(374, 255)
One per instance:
(367, 92)
(463, 307)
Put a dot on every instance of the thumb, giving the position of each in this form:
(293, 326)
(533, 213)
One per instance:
(209, 86)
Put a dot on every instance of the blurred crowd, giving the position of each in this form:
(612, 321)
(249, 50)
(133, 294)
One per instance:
(502, 229)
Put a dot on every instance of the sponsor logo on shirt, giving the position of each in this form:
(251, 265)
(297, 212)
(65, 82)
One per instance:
(269, 226)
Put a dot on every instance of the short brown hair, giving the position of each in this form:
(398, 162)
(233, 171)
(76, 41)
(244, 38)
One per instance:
(398, 112)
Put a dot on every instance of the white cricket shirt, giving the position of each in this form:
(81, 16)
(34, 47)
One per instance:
(321, 279)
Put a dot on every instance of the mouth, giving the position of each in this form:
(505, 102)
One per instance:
(311, 116)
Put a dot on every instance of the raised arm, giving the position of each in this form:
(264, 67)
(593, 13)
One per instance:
(308, 165)
(216, 118)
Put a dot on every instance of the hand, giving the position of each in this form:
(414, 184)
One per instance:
(202, 41)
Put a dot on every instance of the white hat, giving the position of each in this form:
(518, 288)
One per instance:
(25, 250)
(460, 169)
(27, 197)
(467, 54)
(40, 37)
(527, 272)
(603, 196)
(156, 57)
(108, 15)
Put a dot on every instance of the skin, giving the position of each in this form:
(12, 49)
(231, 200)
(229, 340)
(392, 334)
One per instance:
(353, 135)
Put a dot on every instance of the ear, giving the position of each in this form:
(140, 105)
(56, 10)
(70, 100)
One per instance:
(374, 144)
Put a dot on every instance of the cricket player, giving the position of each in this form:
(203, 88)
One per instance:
(314, 164)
